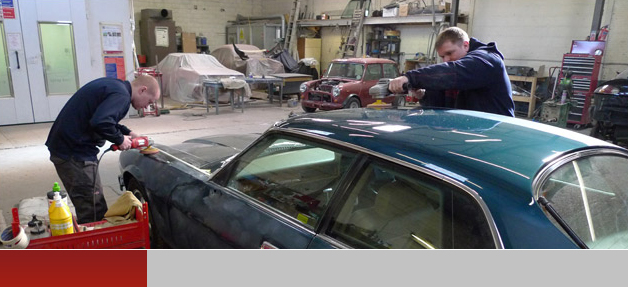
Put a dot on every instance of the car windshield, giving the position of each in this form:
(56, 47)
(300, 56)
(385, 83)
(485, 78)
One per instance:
(590, 195)
(345, 70)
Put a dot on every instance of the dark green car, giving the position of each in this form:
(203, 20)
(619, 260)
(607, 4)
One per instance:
(369, 178)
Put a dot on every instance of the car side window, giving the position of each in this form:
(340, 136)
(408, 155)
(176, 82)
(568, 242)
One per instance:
(373, 72)
(590, 195)
(293, 176)
(389, 207)
(390, 71)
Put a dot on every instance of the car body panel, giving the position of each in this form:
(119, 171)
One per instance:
(492, 158)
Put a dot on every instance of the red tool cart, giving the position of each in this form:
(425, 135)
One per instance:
(152, 109)
(584, 60)
(125, 236)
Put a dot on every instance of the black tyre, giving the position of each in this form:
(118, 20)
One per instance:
(308, 109)
(140, 193)
(352, 103)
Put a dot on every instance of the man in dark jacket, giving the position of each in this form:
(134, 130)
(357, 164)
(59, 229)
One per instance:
(472, 73)
(88, 119)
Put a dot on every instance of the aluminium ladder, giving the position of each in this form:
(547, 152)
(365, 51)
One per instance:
(349, 46)
(291, 33)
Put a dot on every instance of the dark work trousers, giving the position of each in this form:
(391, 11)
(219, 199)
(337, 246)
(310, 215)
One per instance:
(82, 183)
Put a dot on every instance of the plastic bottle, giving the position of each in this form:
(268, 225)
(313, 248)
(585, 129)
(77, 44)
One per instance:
(51, 194)
(60, 217)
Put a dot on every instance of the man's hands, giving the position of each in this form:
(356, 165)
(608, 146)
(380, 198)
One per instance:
(126, 144)
(396, 85)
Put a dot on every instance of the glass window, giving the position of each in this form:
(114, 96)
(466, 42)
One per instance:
(389, 207)
(57, 46)
(291, 175)
(390, 71)
(590, 195)
(5, 74)
(373, 72)
(345, 70)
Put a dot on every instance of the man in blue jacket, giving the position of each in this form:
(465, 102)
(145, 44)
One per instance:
(473, 74)
(88, 119)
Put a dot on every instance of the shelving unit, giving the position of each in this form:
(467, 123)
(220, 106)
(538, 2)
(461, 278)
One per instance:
(384, 48)
(531, 100)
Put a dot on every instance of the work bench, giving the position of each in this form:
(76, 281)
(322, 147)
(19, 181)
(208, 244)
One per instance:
(531, 100)
(214, 85)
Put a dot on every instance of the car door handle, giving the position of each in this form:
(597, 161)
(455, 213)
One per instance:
(17, 58)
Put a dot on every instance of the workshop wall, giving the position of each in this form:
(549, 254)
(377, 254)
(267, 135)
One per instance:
(538, 32)
(208, 18)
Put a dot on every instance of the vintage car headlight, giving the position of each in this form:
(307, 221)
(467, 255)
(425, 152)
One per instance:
(607, 89)
(303, 87)
(336, 91)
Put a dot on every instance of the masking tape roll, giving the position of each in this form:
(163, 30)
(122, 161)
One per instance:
(7, 241)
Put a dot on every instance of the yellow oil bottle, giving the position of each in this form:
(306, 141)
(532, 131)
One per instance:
(60, 217)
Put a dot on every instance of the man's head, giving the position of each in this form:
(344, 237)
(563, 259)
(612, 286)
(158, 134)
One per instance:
(145, 91)
(452, 44)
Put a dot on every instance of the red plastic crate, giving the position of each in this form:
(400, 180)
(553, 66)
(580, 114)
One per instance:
(126, 236)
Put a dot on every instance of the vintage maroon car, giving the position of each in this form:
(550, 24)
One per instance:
(346, 84)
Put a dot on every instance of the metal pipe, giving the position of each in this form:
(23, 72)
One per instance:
(240, 18)
(597, 19)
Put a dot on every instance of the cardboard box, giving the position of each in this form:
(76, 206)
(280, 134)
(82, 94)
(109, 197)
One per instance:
(188, 42)
(390, 12)
(403, 10)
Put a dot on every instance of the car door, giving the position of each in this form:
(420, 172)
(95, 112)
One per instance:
(273, 195)
(372, 75)
(389, 206)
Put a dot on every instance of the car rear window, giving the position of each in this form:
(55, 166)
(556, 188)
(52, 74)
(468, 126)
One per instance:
(590, 195)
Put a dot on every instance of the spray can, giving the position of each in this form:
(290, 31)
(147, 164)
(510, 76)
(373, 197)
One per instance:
(563, 98)
(51, 194)
(60, 217)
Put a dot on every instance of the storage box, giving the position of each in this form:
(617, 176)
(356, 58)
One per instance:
(390, 12)
(188, 42)
(403, 10)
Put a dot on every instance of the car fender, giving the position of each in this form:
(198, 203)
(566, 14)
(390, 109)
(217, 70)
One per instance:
(350, 97)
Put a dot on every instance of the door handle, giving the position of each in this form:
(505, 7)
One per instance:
(17, 58)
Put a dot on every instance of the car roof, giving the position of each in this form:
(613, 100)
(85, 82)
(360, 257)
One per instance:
(470, 147)
(365, 60)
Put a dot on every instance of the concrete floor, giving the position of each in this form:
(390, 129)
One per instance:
(26, 172)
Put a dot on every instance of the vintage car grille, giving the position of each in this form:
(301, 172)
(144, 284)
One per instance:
(326, 88)
(319, 97)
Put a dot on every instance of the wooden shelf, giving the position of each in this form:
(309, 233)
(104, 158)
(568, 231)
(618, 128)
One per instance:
(531, 100)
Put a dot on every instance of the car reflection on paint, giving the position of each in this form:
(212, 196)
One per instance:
(369, 178)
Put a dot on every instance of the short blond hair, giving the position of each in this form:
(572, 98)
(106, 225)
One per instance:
(451, 34)
(149, 81)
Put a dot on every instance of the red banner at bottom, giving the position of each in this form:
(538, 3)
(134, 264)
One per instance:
(67, 268)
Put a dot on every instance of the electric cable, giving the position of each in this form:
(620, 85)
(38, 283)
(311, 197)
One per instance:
(94, 183)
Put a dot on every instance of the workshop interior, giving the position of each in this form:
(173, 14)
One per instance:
(277, 124)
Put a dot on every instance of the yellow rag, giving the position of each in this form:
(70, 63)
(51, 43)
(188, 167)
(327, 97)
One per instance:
(123, 210)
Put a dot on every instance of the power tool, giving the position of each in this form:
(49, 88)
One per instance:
(143, 143)
(380, 90)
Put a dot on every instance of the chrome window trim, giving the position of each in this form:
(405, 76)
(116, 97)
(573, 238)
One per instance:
(542, 176)
(333, 241)
(491, 222)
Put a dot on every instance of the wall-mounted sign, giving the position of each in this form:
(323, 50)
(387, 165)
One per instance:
(14, 41)
(114, 67)
(111, 37)
(161, 36)
(8, 10)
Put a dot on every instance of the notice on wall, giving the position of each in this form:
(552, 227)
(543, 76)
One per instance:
(111, 37)
(8, 10)
(161, 36)
(14, 41)
(114, 67)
